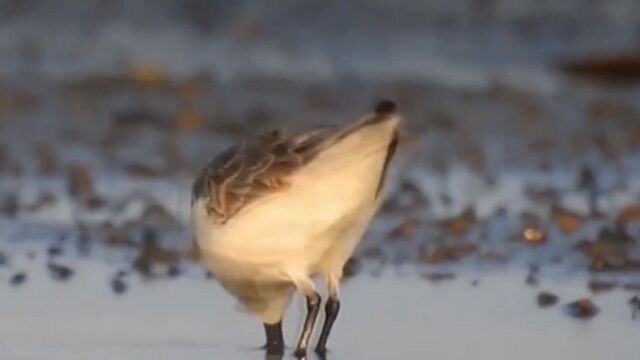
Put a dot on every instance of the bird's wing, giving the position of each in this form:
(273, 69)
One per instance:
(255, 168)
(263, 165)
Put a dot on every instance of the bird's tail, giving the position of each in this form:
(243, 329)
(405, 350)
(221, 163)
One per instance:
(355, 162)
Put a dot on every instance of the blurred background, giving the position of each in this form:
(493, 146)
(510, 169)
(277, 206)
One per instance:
(526, 116)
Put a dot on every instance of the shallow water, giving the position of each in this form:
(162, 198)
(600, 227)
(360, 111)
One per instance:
(391, 316)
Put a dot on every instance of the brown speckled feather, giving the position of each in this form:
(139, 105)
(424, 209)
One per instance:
(257, 167)
(262, 165)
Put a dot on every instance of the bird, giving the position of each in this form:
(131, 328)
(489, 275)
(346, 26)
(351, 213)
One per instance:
(277, 211)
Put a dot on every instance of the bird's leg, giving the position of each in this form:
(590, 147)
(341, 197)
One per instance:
(275, 343)
(313, 308)
(331, 309)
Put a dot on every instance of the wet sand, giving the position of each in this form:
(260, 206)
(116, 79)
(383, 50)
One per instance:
(395, 315)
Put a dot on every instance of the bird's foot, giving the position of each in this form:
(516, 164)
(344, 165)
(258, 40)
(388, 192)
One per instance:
(300, 353)
(272, 349)
(321, 351)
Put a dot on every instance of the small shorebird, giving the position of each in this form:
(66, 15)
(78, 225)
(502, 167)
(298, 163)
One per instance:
(274, 212)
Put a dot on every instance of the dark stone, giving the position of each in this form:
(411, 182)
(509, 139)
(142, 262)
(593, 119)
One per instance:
(546, 299)
(18, 278)
(173, 271)
(60, 272)
(118, 285)
(54, 251)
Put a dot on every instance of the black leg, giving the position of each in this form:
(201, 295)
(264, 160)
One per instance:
(331, 310)
(313, 308)
(275, 343)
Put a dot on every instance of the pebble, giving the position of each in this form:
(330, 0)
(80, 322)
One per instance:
(60, 272)
(54, 251)
(546, 299)
(118, 285)
(582, 309)
(533, 235)
(18, 279)
(173, 271)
